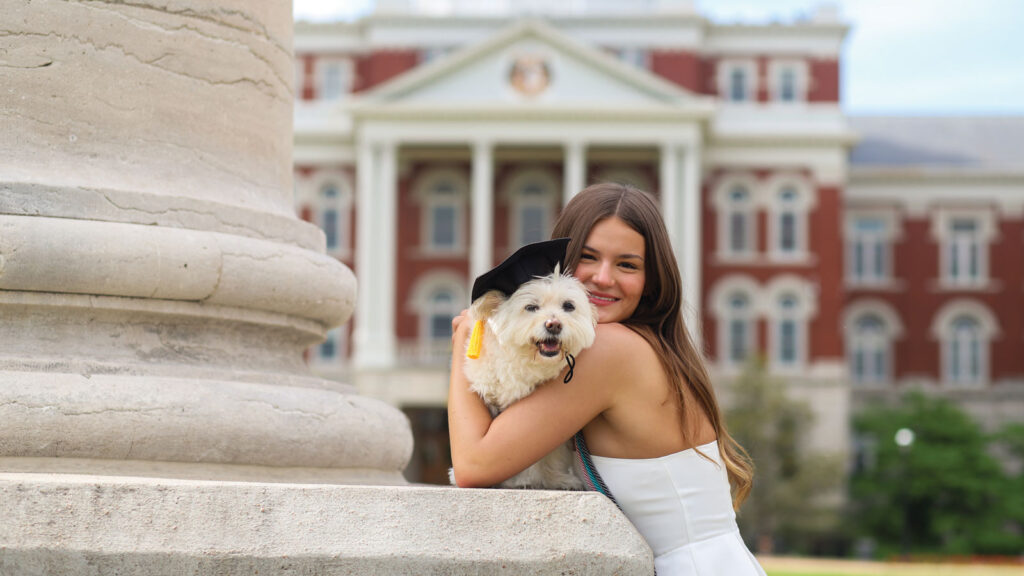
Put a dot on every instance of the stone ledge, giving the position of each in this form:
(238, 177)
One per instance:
(89, 525)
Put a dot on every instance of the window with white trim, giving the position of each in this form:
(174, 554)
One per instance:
(739, 222)
(869, 350)
(963, 251)
(532, 196)
(443, 205)
(789, 239)
(739, 328)
(965, 352)
(737, 80)
(788, 336)
(964, 236)
(965, 329)
(532, 214)
(442, 306)
(735, 302)
(787, 85)
(790, 203)
(868, 247)
(738, 85)
(333, 217)
(788, 81)
(335, 77)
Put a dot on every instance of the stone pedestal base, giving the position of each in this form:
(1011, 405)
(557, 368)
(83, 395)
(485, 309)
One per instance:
(86, 525)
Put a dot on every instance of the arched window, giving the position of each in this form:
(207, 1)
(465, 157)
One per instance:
(791, 200)
(532, 197)
(330, 208)
(788, 240)
(330, 217)
(739, 337)
(965, 329)
(735, 303)
(869, 351)
(533, 211)
(964, 351)
(438, 315)
(787, 333)
(434, 300)
(790, 303)
(442, 194)
(736, 205)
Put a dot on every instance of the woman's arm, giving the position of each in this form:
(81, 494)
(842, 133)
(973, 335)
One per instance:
(486, 451)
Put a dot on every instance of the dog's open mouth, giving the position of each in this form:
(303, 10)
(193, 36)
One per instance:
(549, 347)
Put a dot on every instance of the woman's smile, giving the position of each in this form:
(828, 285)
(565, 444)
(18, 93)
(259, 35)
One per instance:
(611, 268)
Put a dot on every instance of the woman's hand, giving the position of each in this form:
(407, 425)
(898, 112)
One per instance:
(458, 321)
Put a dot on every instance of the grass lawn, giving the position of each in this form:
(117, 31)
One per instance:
(784, 566)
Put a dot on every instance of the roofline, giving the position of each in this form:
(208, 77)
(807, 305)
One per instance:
(861, 174)
(647, 82)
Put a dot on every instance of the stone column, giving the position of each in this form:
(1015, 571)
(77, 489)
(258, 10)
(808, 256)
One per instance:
(156, 295)
(156, 289)
(575, 170)
(481, 249)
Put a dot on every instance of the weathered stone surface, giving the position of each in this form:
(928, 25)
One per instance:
(187, 98)
(99, 525)
(112, 259)
(123, 418)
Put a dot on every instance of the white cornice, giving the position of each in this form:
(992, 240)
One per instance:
(504, 112)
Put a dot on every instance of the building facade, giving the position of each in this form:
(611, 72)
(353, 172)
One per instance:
(429, 146)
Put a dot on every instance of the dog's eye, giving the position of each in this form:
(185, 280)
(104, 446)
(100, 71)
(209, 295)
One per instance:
(532, 307)
(568, 306)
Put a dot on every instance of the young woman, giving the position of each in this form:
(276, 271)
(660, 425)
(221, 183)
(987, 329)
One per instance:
(640, 395)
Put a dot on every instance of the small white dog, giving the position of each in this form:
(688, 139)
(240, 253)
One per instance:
(528, 338)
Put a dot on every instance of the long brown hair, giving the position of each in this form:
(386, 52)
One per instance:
(658, 317)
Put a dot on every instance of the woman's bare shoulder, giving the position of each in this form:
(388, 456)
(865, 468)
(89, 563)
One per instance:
(617, 345)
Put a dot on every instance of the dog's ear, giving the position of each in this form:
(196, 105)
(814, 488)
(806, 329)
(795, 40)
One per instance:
(484, 306)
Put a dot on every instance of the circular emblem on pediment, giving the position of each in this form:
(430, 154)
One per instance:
(530, 74)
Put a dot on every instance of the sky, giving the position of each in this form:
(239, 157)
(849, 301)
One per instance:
(901, 57)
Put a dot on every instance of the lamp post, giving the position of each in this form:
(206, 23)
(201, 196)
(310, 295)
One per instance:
(904, 440)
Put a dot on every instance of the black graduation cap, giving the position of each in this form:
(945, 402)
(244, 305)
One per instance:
(529, 262)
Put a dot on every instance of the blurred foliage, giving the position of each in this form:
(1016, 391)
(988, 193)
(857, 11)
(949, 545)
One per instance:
(959, 499)
(796, 492)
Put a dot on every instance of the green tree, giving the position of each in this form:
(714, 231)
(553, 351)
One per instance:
(795, 497)
(951, 489)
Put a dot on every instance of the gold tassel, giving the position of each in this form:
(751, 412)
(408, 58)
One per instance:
(476, 340)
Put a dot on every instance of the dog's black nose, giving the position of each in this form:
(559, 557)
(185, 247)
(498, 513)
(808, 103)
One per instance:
(553, 326)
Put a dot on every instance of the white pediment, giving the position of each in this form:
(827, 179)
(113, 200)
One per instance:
(530, 65)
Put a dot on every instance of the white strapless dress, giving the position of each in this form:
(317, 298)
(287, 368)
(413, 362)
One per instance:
(681, 505)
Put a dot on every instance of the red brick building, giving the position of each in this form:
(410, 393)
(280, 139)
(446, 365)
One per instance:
(859, 255)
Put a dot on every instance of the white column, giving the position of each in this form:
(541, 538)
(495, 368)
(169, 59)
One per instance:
(376, 256)
(574, 169)
(669, 187)
(387, 256)
(362, 335)
(691, 240)
(481, 248)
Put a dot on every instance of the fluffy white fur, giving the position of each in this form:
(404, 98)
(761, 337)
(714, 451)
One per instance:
(526, 339)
